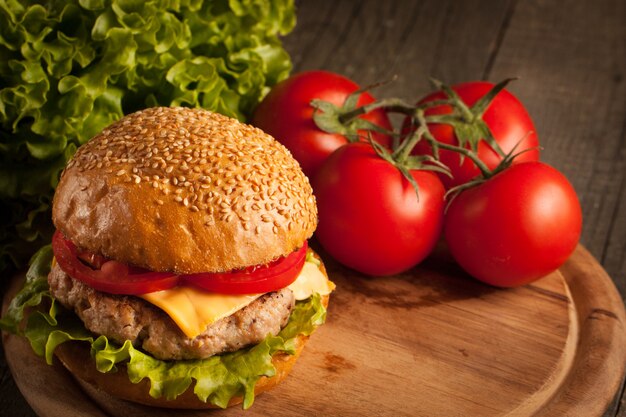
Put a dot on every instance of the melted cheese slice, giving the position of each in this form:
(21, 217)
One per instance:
(311, 280)
(193, 309)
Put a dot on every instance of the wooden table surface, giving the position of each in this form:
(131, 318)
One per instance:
(570, 56)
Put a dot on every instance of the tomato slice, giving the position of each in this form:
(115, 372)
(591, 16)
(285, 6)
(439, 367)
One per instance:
(253, 280)
(108, 276)
(115, 277)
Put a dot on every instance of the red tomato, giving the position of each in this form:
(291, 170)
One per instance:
(516, 227)
(507, 119)
(287, 115)
(117, 278)
(369, 216)
(111, 276)
(254, 280)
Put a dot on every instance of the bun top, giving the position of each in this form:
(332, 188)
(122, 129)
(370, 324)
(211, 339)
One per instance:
(184, 190)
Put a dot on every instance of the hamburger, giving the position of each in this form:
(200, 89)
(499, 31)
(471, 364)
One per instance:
(179, 274)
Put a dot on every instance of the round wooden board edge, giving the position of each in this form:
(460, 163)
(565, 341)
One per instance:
(599, 364)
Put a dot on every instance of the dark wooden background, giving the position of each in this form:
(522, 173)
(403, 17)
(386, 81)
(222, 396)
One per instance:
(571, 59)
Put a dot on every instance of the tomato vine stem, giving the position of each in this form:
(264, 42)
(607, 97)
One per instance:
(484, 170)
(466, 121)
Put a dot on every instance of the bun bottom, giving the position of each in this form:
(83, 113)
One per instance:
(76, 357)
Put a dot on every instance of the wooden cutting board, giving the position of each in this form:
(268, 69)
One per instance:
(430, 342)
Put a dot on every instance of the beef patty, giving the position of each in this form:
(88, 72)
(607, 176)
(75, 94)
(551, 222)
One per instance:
(124, 317)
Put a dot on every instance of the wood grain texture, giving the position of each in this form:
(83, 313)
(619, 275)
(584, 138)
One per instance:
(371, 41)
(571, 58)
(429, 342)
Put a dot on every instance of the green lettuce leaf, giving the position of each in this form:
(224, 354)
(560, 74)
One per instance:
(72, 67)
(217, 379)
(32, 294)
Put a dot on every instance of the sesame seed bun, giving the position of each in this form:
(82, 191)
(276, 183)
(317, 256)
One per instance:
(186, 191)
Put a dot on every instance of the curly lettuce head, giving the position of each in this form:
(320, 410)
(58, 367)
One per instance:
(70, 68)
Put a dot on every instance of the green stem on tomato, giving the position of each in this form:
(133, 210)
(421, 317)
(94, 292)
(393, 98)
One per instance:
(485, 171)
(465, 111)
(390, 105)
(404, 150)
